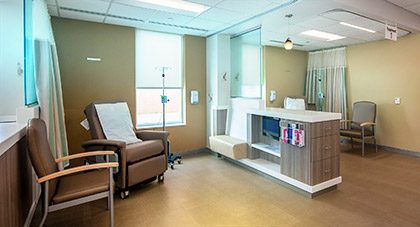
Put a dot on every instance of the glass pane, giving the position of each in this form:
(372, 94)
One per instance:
(246, 65)
(150, 108)
(30, 90)
(156, 50)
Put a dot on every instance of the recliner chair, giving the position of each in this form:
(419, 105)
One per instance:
(140, 161)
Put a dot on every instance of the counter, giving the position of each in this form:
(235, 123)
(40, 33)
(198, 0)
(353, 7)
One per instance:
(296, 115)
(312, 165)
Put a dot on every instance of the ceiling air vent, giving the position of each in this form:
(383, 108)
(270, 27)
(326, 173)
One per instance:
(133, 19)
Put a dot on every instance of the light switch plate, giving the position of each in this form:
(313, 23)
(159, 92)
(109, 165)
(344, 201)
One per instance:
(397, 101)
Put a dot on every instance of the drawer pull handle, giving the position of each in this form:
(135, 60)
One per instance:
(327, 170)
(327, 148)
(329, 128)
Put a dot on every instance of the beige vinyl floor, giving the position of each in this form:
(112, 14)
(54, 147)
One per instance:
(381, 189)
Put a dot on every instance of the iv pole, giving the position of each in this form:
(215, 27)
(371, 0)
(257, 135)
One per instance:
(164, 99)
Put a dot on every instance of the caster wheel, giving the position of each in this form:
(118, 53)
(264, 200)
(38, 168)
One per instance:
(161, 178)
(124, 194)
(179, 161)
(172, 166)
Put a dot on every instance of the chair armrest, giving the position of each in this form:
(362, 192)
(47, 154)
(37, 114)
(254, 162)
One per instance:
(152, 135)
(367, 123)
(76, 170)
(103, 142)
(342, 121)
(84, 154)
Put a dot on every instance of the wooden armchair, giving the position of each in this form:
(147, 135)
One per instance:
(69, 187)
(362, 125)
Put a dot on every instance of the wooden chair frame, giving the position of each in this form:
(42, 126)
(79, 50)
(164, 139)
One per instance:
(44, 181)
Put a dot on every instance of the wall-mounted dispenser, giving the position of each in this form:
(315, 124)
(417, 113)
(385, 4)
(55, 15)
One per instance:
(272, 96)
(194, 97)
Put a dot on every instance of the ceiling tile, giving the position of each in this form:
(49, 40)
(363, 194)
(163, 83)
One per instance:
(340, 15)
(220, 15)
(170, 18)
(204, 24)
(317, 22)
(346, 41)
(51, 2)
(414, 8)
(52, 10)
(175, 30)
(131, 11)
(243, 6)
(81, 16)
(335, 28)
(89, 5)
(404, 3)
(370, 36)
(361, 21)
(155, 7)
(293, 30)
(206, 2)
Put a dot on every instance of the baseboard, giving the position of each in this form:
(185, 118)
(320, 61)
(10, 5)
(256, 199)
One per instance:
(193, 152)
(386, 148)
(31, 212)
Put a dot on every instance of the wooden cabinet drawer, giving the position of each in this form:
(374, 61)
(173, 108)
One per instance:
(325, 147)
(325, 128)
(324, 170)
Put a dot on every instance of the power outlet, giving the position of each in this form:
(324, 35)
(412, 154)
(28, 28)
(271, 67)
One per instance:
(397, 101)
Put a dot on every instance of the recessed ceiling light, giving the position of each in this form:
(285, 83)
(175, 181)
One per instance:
(178, 4)
(323, 35)
(357, 27)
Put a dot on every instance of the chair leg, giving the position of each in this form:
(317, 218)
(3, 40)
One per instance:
(363, 142)
(44, 203)
(376, 146)
(111, 200)
(352, 146)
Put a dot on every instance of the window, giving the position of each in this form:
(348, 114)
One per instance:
(246, 65)
(153, 52)
(30, 90)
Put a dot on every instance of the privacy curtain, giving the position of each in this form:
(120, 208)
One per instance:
(48, 80)
(326, 82)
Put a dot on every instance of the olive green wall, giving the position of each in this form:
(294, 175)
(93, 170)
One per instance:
(113, 78)
(284, 72)
(380, 71)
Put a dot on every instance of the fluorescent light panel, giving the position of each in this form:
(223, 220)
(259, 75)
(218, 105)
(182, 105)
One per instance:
(323, 35)
(178, 4)
(357, 27)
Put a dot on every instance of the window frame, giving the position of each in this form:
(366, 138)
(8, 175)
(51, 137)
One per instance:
(181, 88)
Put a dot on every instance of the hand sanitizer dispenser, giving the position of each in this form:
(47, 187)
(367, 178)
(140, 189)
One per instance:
(194, 97)
(272, 96)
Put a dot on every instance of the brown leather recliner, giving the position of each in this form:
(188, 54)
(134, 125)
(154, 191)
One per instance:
(139, 161)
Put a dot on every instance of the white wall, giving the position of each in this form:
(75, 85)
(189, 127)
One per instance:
(11, 53)
(218, 64)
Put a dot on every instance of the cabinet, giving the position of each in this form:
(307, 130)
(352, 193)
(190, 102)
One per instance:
(311, 168)
(318, 160)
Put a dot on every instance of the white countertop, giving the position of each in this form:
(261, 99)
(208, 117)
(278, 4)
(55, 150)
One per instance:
(296, 115)
(10, 133)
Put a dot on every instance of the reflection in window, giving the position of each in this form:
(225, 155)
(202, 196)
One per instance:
(246, 65)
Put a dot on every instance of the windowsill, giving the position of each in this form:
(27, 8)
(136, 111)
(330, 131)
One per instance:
(160, 126)
(10, 133)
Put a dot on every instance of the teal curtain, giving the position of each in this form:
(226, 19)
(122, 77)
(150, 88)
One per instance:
(325, 84)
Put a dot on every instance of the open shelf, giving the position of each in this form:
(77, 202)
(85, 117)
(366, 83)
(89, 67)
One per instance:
(273, 150)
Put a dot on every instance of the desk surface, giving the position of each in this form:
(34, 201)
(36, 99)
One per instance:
(10, 133)
(296, 115)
